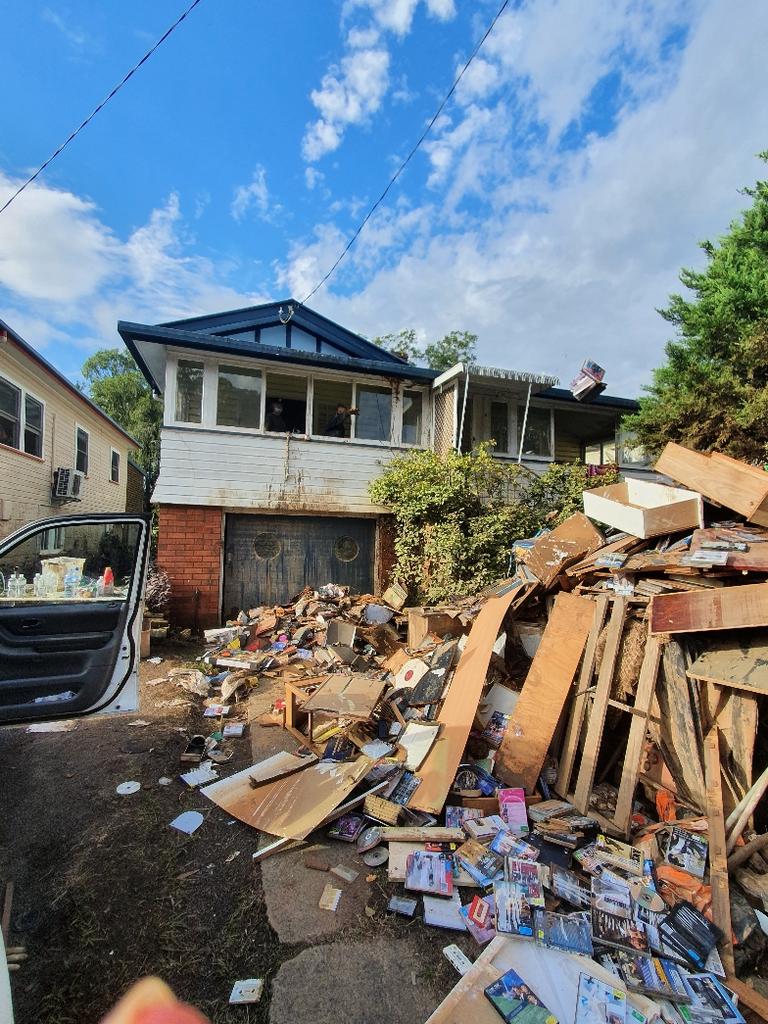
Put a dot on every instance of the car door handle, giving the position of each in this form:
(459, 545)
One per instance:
(30, 624)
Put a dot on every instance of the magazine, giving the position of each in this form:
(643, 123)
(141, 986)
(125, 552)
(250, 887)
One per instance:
(569, 932)
(589, 859)
(513, 1000)
(568, 886)
(478, 861)
(611, 893)
(598, 1003)
(621, 855)
(456, 816)
(610, 930)
(512, 810)
(429, 872)
(514, 914)
(473, 914)
(710, 999)
(527, 874)
(507, 844)
(493, 733)
(687, 850)
(347, 828)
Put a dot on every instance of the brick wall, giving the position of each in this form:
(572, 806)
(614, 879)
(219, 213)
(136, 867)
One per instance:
(189, 549)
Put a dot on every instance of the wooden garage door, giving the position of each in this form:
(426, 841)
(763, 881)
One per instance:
(269, 559)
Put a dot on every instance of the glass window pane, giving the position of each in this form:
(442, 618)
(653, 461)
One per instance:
(115, 468)
(330, 350)
(247, 335)
(81, 458)
(10, 398)
(33, 426)
(239, 397)
(537, 431)
(286, 404)
(374, 417)
(327, 416)
(302, 341)
(412, 417)
(87, 548)
(500, 426)
(274, 336)
(189, 392)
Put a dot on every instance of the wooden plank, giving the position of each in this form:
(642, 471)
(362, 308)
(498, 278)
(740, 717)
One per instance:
(599, 707)
(563, 546)
(748, 996)
(576, 720)
(718, 858)
(698, 611)
(646, 688)
(740, 663)
(422, 834)
(545, 691)
(726, 481)
(460, 706)
(753, 560)
(677, 735)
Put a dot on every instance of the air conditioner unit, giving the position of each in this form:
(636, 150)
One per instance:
(67, 484)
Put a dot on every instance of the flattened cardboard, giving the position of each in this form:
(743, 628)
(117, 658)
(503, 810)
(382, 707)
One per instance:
(353, 695)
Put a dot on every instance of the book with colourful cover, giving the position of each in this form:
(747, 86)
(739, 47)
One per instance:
(507, 844)
(709, 999)
(513, 811)
(456, 816)
(598, 1003)
(610, 892)
(589, 859)
(479, 916)
(568, 886)
(687, 850)
(485, 828)
(478, 861)
(527, 874)
(620, 855)
(610, 930)
(429, 872)
(515, 1001)
(514, 914)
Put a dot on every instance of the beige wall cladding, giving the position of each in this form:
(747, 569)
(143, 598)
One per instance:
(25, 481)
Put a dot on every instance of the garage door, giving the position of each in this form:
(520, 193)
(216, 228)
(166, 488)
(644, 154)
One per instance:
(269, 559)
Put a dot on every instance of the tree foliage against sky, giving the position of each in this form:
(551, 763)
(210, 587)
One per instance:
(114, 382)
(712, 393)
(454, 347)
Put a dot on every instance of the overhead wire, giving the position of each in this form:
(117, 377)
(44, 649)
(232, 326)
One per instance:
(101, 105)
(410, 155)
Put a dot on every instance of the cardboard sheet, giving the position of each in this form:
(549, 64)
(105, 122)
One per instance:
(458, 710)
(342, 694)
(416, 740)
(293, 806)
(545, 691)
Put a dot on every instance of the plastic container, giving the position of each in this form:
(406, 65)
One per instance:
(71, 582)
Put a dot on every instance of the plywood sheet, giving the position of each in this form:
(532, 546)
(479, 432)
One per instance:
(753, 560)
(546, 689)
(459, 707)
(740, 663)
(566, 544)
(718, 477)
(723, 608)
(289, 807)
(351, 695)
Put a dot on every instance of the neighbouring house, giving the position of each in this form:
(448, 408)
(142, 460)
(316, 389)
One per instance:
(255, 499)
(59, 452)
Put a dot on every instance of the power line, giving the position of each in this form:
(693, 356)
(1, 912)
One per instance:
(412, 153)
(101, 105)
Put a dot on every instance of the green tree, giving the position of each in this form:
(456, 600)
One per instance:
(112, 379)
(712, 392)
(455, 347)
(401, 344)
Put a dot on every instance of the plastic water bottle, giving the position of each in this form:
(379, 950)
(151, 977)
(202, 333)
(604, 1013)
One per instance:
(17, 584)
(71, 582)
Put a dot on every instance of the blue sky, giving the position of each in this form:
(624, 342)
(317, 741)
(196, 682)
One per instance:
(589, 148)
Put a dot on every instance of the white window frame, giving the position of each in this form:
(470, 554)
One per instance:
(112, 453)
(52, 540)
(550, 409)
(211, 365)
(481, 425)
(86, 472)
(23, 393)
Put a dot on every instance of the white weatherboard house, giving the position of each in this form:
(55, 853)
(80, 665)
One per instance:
(256, 499)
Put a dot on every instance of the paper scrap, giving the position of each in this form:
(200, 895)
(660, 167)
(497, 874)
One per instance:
(188, 822)
(67, 726)
(247, 991)
(330, 898)
(444, 913)
(345, 873)
(216, 710)
(200, 776)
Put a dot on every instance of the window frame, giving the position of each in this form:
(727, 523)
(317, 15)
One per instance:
(551, 411)
(112, 453)
(21, 421)
(78, 428)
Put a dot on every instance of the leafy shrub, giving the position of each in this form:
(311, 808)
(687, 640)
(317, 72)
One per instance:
(458, 515)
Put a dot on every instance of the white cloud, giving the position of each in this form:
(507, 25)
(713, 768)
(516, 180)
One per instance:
(253, 196)
(573, 249)
(313, 177)
(362, 38)
(348, 94)
(76, 37)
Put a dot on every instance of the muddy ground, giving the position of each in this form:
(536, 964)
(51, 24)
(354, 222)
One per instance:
(106, 892)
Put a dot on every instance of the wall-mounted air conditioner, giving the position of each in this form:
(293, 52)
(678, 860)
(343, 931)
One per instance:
(67, 484)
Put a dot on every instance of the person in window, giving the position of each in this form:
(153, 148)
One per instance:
(337, 424)
(275, 421)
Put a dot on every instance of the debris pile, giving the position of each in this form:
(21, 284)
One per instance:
(561, 765)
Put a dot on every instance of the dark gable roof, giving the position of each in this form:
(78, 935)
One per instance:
(62, 380)
(269, 313)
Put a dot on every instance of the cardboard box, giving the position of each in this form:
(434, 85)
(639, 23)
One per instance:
(645, 509)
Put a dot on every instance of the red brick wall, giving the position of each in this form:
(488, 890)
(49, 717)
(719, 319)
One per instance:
(189, 549)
